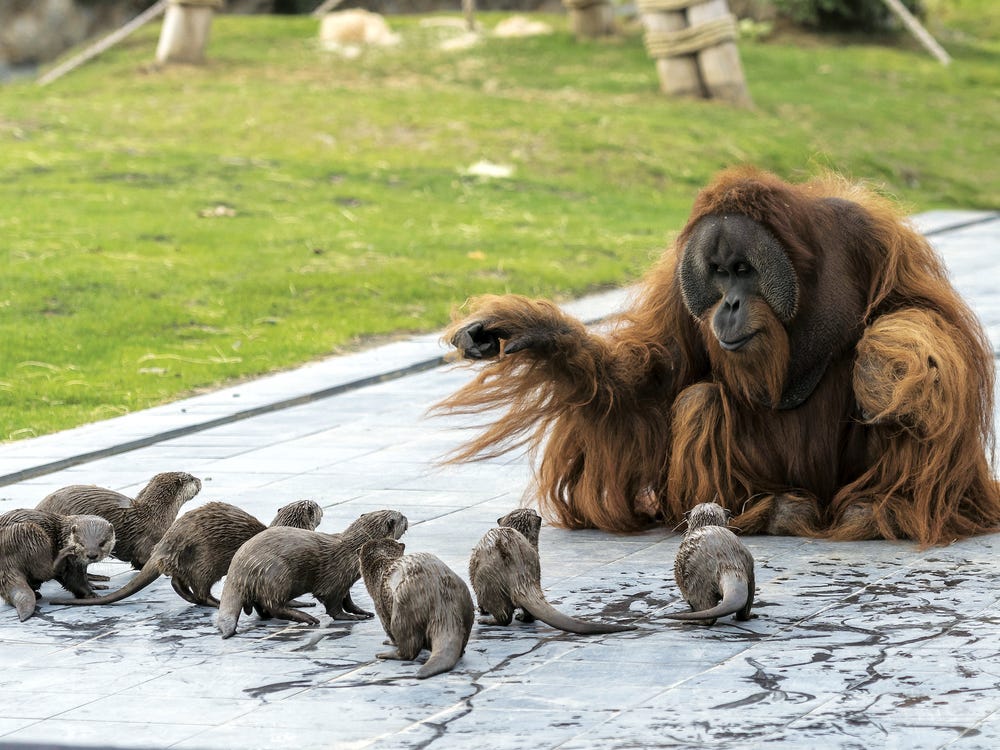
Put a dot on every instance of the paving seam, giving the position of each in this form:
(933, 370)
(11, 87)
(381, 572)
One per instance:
(160, 437)
(962, 224)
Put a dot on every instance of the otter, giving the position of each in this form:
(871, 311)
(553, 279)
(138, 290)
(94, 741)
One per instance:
(421, 603)
(281, 563)
(140, 523)
(505, 572)
(198, 547)
(713, 568)
(26, 562)
(74, 541)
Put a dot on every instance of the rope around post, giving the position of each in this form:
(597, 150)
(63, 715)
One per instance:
(666, 6)
(662, 44)
(582, 4)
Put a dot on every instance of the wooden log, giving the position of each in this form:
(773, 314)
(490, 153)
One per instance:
(678, 75)
(719, 64)
(185, 31)
(590, 19)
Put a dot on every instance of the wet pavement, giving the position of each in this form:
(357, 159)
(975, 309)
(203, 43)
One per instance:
(855, 645)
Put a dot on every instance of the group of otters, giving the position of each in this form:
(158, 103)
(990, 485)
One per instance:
(420, 601)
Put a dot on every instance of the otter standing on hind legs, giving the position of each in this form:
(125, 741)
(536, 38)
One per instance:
(74, 543)
(140, 523)
(506, 573)
(713, 568)
(421, 603)
(281, 563)
(198, 547)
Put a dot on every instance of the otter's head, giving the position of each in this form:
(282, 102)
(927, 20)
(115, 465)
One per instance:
(380, 523)
(302, 514)
(91, 539)
(707, 514)
(525, 520)
(171, 487)
(376, 552)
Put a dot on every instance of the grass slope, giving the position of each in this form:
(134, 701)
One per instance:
(164, 231)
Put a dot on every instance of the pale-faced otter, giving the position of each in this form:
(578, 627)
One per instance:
(26, 562)
(74, 541)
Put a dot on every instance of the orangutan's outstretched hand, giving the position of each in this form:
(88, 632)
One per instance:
(500, 325)
(482, 340)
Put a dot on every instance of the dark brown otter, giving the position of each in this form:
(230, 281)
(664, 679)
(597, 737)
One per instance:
(281, 563)
(713, 568)
(140, 523)
(506, 573)
(26, 562)
(74, 541)
(421, 602)
(198, 547)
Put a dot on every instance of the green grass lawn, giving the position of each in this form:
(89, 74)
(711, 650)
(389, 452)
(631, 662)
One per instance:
(345, 211)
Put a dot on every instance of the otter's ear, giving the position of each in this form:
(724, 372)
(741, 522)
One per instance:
(536, 522)
(402, 546)
(74, 529)
(500, 520)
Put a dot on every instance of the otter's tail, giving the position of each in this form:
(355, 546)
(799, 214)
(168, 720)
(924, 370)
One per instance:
(735, 598)
(445, 653)
(149, 573)
(229, 609)
(534, 602)
(20, 595)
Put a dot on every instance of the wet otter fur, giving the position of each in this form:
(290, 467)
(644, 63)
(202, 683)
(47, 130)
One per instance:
(713, 568)
(505, 572)
(26, 562)
(74, 543)
(421, 603)
(198, 547)
(281, 563)
(139, 523)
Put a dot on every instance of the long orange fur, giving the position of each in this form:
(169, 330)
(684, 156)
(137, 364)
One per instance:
(895, 442)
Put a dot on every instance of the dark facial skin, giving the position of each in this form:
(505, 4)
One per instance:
(736, 281)
(730, 266)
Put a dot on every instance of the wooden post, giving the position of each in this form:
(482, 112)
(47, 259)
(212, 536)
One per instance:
(590, 19)
(694, 45)
(185, 31)
(469, 11)
(678, 74)
(720, 66)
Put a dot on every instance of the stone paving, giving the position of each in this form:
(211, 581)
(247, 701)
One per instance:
(860, 645)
